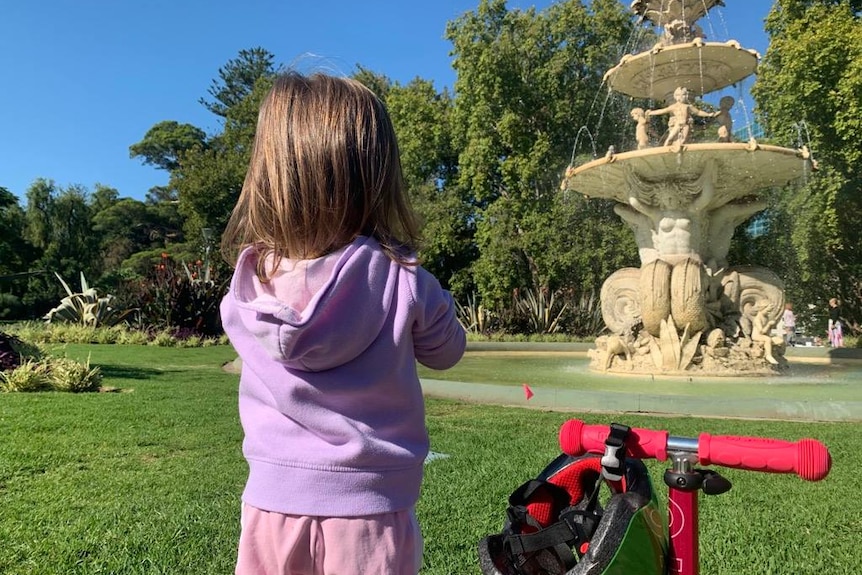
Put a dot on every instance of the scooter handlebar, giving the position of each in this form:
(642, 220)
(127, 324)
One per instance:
(808, 458)
(577, 438)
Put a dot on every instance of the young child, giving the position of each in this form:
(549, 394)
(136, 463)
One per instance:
(836, 336)
(329, 312)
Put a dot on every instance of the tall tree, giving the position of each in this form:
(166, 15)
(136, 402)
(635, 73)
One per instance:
(14, 250)
(209, 180)
(207, 172)
(809, 92)
(15, 255)
(165, 142)
(59, 225)
(526, 82)
(237, 79)
(422, 120)
(40, 204)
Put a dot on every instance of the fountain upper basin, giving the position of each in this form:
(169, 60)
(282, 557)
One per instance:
(701, 67)
(741, 168)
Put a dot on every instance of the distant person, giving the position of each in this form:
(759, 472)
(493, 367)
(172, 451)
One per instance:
(330, 311)
(836, 337)
(789, 320)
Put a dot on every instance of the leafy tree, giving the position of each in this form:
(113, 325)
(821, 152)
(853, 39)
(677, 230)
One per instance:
(59, 225)
(165, 142)
(809, 91)
(126, 227)
(103, 197)
(526, 81)
(207, 172)
(15, 255)
(238, 78)
(14, 250)
(377, 83)
(40, 202)
(422, 120)
(209, 180)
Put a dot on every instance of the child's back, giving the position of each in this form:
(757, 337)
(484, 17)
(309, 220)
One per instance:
(329, 311)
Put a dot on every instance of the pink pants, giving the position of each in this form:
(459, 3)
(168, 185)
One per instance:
(836, 337)
(278, 544)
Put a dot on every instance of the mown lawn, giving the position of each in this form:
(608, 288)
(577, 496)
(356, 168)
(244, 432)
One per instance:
(147, 479)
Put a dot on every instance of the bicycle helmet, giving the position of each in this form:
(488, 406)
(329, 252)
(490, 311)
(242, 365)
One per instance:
(556, 525)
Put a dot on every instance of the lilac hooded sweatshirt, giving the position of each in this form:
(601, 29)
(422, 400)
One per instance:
(329, 397)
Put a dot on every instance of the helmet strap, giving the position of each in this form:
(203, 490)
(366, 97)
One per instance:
(614, 459)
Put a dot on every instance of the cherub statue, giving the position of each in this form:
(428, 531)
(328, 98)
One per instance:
(681, 117)
(725, 122)
(642, 128)
(761, 331)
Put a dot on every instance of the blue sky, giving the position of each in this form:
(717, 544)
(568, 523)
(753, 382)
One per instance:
(85, 79)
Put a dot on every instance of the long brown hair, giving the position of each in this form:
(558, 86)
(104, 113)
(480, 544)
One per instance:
(325, 168)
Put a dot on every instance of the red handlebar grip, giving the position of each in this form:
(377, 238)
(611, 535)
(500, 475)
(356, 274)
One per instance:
(577, 438)
(808, 458)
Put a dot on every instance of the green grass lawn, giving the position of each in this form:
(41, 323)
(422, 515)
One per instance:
(147, 479)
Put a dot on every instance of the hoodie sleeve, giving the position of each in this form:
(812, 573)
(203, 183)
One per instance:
(438, 338)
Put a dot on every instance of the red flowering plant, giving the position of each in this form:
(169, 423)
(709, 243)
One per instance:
(181, 297)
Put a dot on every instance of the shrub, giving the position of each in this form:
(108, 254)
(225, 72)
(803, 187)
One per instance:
(14, 351)
(39, 332)
(583, 316)
(163, 338)
(10, 306)
(132, 337)
(176, 295)
(67, 374)
(30, 375)
(191, 341)
(540, 309)
(473, 317)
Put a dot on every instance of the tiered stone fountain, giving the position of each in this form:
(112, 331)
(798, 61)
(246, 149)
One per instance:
(686, 309)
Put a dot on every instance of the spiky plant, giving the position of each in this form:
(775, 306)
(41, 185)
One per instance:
(28, 376)
(69, 375)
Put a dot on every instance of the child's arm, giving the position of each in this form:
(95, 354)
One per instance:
(438, 338)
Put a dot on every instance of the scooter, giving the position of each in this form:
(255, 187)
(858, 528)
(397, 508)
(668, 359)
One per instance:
(627, 537)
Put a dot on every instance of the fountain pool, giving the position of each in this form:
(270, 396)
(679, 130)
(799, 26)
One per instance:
(812, 389)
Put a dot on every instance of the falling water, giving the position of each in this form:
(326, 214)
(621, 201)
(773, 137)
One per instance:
(583, 129)
(805, 142)
(748, 120)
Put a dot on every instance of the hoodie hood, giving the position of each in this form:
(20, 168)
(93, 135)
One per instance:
(329, 326)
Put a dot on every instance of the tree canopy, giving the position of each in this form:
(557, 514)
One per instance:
(526, 82)
(484, 160)
(809, 92)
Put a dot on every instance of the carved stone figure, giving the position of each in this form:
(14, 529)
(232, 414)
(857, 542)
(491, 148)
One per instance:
(642, 128)
(618, 345)
(761, 332)
(676, 210)
(681, 117)
(725, 122)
